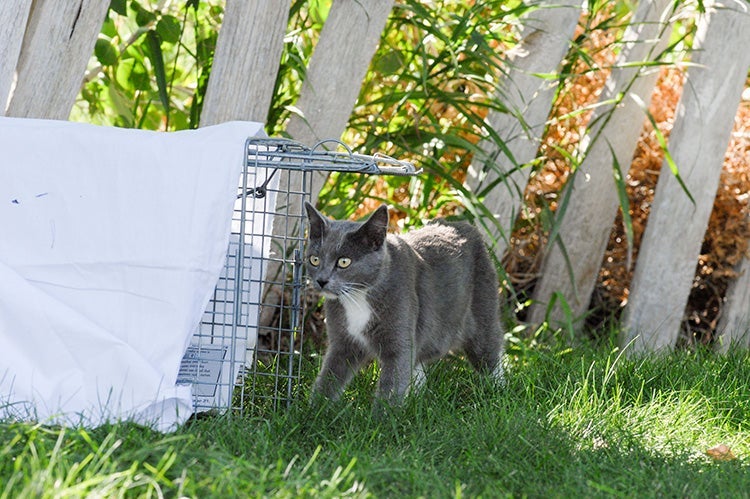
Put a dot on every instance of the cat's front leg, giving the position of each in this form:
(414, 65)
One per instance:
(341, 362)
(395, 377)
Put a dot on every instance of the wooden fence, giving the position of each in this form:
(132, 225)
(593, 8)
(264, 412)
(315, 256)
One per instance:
(45, 46)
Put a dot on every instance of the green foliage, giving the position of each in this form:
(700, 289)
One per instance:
(429, 88)
(153, 58)
(425, 98)
(151, 64)
(306, 19)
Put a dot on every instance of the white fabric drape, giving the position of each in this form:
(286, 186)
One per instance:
(111, 242)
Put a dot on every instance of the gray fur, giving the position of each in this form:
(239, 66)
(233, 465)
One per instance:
(429, 291)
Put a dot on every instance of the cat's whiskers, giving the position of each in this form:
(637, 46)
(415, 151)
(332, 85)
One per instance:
(355, 287)
(358, 292)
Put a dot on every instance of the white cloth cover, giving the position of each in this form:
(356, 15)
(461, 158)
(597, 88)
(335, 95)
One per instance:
(112, 241)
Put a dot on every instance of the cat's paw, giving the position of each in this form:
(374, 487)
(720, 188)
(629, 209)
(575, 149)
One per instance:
(386, 408)
(497, 375)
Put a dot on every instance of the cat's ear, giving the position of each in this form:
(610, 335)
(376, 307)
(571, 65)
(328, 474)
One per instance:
(374, 230)
(318, 222)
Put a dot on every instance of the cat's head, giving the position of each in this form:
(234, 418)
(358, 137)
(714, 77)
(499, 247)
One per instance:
(342, 256)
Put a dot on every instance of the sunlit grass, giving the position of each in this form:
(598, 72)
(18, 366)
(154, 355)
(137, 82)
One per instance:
(580, 422)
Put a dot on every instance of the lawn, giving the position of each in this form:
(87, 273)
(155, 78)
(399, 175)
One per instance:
(571, 422)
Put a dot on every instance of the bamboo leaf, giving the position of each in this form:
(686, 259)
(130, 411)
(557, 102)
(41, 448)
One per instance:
(554, 233)
(622, 196)
(569, 321)
(663, 145)
(157, 59)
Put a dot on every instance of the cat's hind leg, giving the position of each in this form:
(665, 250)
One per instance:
(482, 348)
(484, 352)
(483, 340)
(418, 378)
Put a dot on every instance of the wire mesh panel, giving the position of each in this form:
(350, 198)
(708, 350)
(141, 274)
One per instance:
(247, 351)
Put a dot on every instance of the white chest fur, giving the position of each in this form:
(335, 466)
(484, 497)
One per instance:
(358, 314)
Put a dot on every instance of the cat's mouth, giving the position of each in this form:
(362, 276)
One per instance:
(331, 292)
(326, 292)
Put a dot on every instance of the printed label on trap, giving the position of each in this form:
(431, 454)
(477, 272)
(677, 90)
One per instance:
(201, 367)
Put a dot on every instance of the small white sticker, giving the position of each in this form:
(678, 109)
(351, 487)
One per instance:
(201, 367)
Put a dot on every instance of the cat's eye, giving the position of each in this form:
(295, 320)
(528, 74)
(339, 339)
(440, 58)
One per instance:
(344, 262)
(314, 260)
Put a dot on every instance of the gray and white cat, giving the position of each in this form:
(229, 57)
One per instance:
(405, 300)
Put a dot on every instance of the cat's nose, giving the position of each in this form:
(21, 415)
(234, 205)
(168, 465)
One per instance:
(322, 283)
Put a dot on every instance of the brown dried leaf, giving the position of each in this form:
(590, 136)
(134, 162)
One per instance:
(721, 452)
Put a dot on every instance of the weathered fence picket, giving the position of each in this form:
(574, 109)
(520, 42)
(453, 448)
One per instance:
(14, 14)
(572, 262)
(57, 45)
(676, 226)
(734, 327)
(248, 51)
(336, 71)
(332, 82)
(500, 172)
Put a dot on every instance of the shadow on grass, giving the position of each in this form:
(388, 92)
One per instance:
(567, 424)
(561, 427)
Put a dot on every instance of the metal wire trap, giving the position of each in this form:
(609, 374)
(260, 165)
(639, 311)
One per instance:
(246, 353)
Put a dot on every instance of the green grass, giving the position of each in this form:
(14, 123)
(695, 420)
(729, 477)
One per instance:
(577, 422)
